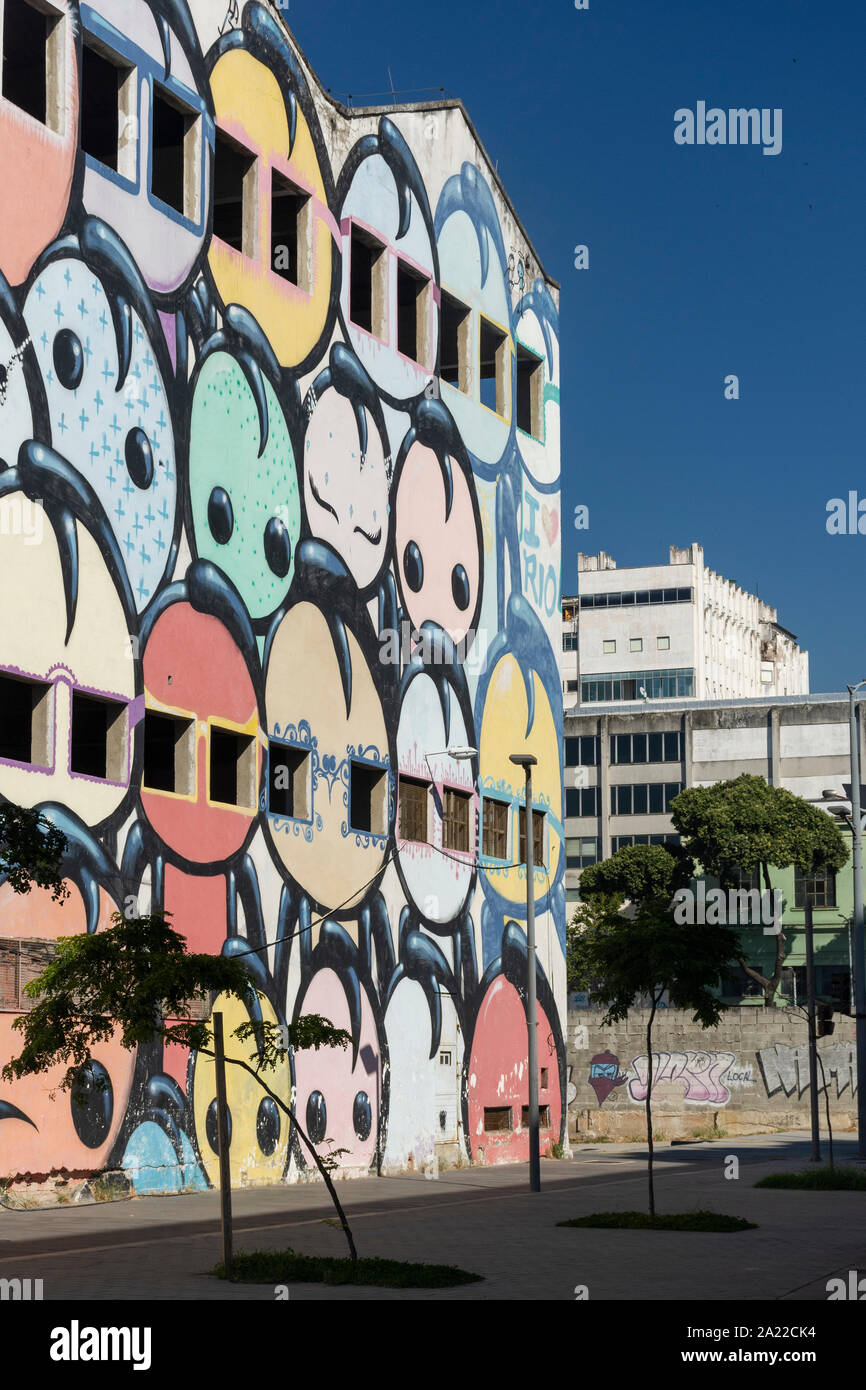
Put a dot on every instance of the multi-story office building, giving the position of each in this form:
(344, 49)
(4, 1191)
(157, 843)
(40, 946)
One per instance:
(672, 631)
(624, 766)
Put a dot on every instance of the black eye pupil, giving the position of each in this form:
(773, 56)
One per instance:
(278, 551)
(92, 1113)
(211, 1126)
(139, 458)
(267, 1126)
(220, 517)
(460, 587)
(362, 1115)
(68, 359)
(317, 1117)
(413, 567)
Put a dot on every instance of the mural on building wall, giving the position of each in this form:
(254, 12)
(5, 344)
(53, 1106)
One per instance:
(246, 475)
(605, 1075)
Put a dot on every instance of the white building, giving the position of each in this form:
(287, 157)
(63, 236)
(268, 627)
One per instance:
(673, 631)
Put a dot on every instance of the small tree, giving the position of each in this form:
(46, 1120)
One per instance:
(31, 851)
(623, 955)
(745, 825)
(138, 976)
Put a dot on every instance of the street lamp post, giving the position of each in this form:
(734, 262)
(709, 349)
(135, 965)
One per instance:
(527, 761)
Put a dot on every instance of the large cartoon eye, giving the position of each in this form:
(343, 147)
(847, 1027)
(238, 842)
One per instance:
(212, 1128)
(268, 1126)
(139, 458)
(220, 517)
(92, 1115)
(362, 1115)
(68, 359)
(317, 1117)
(413, 567)
(278, 549)
(460, 587)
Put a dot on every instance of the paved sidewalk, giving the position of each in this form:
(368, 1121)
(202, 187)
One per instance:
(484, 1220)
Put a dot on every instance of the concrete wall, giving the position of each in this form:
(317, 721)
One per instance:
(747, 1076)
(243, 496)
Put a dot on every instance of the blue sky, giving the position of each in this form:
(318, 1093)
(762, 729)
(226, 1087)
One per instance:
(704, 261)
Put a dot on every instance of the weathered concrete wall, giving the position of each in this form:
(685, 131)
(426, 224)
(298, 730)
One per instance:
(749, 1075)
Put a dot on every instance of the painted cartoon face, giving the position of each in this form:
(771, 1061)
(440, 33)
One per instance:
(76, 745)
(437, 546)
(16, 409)
(121, 441)
(424, 1097)
(333, 836)
(503, 731)
(37, 1133)
(389, 297)
(437, 875)
(160, 212)
(498, 1078)
(346, 487)
(536, 330)
(258, 1129)
(197, 677)
(245, 506)
(37, 150)
(337, 1101)
(473, 272)
(254, 83)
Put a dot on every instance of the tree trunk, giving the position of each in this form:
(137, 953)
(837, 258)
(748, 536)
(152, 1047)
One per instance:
(770, 986)
(649, 1112)
(236, 1062)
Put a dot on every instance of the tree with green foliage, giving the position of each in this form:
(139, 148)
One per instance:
(746, 826)
(625, 947)
(31, 851)
(138, 977)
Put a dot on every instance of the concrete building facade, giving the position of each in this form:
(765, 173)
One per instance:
(672, 631)
(279, 531)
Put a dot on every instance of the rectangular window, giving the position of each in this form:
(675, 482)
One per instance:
(582, 751)
(455, 820)
(494, 842)
(367, 287)
(445, 1059)
(21, 962)
(580, 851)
(290, 225)
(545, 1073)
(234, 172)
(26, 721)
(656, 798)
(101, 83)
(412, 313)
(98, 744)
(608, 646)
(289, 781)
(173, 146)
(413, 801)
(581, 801)
(455, 326)
(638, 748)
(672, 790)
(497, 1118)
(673, 747)
(543, 1116)
(368, 806)
(530, 393)
(25, 58)
(493, 367)
(635, 644)
(570, 642)
(656, 748)
(232, 767)
(818, 887)
(663, 644)
(169, 753)
(538, 818)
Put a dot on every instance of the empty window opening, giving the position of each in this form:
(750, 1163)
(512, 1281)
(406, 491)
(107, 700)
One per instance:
(232, 767)
(102, 83)
(289, 209)
(497, 1118)
(493, 367)
(411, 313)
(172, 148)
(169, 753)
(545, 1073)
(233, 172)
(367, 269)
(98, 746)
(25, 721)
(495, 829)
(414, 798)
(530, 393)
(455, 323)
(288, 781)
(537, 837)
(367, 800)
(25, 57)
(445, 1059)
(543, 1117)
(455, 820)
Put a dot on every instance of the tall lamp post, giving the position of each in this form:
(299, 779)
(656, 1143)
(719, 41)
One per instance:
(855, 820)
(527, 761)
